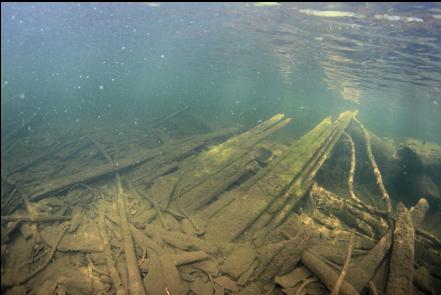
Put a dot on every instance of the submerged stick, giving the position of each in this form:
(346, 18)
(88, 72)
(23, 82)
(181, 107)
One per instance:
(114, 275)
(344, 270)
(352, 170)
(379, 180)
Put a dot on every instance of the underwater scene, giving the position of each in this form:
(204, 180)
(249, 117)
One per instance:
(221, 148)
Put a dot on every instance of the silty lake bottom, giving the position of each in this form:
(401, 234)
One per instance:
(217, 148)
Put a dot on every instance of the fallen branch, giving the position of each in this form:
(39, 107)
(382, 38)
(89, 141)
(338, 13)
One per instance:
(114, 275)
(134, 281)
(377, 174)
(344, 270)
(352, 170)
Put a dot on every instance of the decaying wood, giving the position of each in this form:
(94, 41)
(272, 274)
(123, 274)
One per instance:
(180, 240)
(154, 204)
(134, 281)
(49, 258)
(179, 259)
(277, 188)
(344, 270)
(304, 285)
(325, 273)
(163, 277)
(352, 170)
(288, 256)
(418, 212)
(401, 271)
(214, 170)
(35, 218)
(114, 275)
(351, 214)
(170, 153)
(363, 271)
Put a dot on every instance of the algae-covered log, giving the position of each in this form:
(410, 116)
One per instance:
(401, 269)
(279, 186)
(214, 170)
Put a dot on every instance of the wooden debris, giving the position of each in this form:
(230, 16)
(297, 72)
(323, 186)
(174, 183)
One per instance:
(278, 187)
(114, 275)
(227, 283)
(180, 240)
(325, 273)
(179, 259)
(423, 280)
(362, 272)
(134, 281)
(344, 270)
(43, 218)
(304, 285)
(377, 174)
(49, 258)
(348, 212)
(293, 278)
(286, 259)
(163, 277)
(401, 271)
(238, 262)
(352, 170)
(418, 212)
(170, 153)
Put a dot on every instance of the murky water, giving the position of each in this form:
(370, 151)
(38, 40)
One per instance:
(162, 124)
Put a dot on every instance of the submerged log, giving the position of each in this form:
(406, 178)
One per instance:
(289, 255)
(418, 212)
(354, 216)
(362, 272)
(401, 271)
(214, 170)
(134, 281)
(114, 275)
(275, 190)
(168, 154)
(325, 273)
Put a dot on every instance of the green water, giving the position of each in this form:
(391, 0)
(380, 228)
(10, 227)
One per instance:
(134, 133)
(232, 63)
